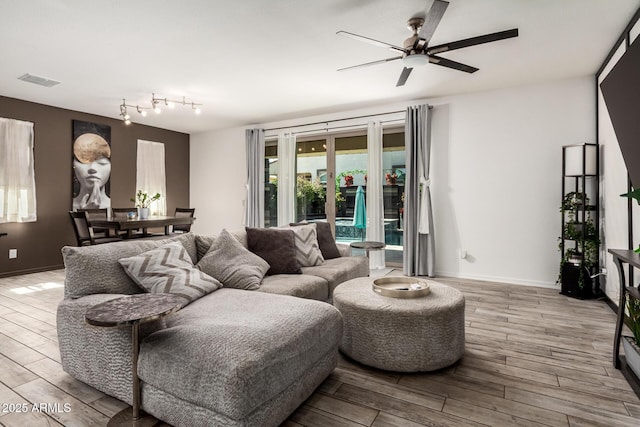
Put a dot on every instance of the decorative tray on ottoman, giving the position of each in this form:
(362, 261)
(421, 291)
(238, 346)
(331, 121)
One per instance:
(401, 287)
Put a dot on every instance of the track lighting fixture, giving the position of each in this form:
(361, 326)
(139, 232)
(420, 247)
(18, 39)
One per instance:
(156, 104)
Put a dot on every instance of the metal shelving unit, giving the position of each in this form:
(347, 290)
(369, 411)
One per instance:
(579, 241)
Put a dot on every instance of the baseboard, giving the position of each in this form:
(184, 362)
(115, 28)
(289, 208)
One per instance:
(498, 279)
(32, 270)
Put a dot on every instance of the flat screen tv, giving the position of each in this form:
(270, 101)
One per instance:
(621, 92)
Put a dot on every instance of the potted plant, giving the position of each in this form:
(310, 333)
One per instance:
(142, 201)
(631, 345)
(391, 178)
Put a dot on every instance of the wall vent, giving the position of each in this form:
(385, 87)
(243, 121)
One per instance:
(38, 80)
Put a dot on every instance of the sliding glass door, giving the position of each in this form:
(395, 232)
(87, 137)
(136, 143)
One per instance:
(351, 173)
(329, 171)
(311, 180)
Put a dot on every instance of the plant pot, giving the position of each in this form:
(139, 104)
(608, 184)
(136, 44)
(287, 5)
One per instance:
(631, 354)
(143, 213)
(570, 281)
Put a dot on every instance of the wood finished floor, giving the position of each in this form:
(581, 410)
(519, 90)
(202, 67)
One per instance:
(533, 357)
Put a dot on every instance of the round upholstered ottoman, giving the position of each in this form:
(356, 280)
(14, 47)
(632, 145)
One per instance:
(401, 334)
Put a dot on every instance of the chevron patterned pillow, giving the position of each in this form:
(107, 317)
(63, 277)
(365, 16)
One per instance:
(308, 251)
(169, 269)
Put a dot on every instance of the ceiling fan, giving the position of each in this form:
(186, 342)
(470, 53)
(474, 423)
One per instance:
(416, 50)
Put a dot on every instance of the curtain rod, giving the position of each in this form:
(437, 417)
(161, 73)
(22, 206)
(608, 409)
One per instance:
(326, 122)
(327, 129)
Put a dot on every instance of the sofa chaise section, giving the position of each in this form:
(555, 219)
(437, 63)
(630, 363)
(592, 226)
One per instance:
(235, 354)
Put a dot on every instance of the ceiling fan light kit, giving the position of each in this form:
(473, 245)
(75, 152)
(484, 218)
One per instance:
(417, 52)
(156, 104)
(415, 60)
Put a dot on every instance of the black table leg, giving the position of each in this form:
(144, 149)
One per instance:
(620, 319)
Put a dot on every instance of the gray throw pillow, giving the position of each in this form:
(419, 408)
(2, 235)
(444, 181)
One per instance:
(168, 269)
(277, 247)
(203, 243)
(307, 250)
(326, 241)
(232, 264)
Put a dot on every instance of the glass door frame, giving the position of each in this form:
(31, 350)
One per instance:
(330, 141)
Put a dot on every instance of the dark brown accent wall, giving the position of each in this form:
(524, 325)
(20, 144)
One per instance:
(39, 243)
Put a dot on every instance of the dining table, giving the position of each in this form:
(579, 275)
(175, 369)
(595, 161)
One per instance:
(129, 225)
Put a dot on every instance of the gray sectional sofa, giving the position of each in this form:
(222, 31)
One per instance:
(230, 358)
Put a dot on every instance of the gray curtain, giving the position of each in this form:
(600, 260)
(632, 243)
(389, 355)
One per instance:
(254, 205)
(419, 243)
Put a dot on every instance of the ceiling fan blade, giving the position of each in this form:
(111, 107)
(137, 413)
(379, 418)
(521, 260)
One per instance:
(404, 76)
(382, 61)
(487, 38)
(370, 40)
(451, 64)
(432, 19)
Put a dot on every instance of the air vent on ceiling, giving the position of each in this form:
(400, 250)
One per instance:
(38, 80)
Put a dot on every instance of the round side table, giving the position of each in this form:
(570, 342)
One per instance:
(367, 246)
(132, 310)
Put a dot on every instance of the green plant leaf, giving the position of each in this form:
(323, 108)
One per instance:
(635, 194)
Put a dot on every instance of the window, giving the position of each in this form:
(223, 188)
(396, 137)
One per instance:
(271, 184)
(150, 174)
(17, 173)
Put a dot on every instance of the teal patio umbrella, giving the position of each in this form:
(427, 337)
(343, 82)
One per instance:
(360, 211)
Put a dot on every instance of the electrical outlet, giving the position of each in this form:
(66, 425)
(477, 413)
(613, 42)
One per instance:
(13, 253)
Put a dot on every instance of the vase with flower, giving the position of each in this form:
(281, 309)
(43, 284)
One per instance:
(348, 180)
(142, 201)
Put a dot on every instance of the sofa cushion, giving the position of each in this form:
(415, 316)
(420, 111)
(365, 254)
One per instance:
(233, 350)
(203, 243)
(297, 285)
(232, 264)
(338, 270)
(169, 269)
(95, 269)
(307, 250)
(326, 241)
(277, 247)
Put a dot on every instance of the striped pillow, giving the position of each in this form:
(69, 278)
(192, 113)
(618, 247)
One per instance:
(169, 269)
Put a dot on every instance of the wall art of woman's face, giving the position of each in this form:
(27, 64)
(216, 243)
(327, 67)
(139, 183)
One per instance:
(90, 174)
(92, 171)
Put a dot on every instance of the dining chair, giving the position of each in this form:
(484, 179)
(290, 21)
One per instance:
(97, 214)
(84, 233)
(124, 213)
(182, 212)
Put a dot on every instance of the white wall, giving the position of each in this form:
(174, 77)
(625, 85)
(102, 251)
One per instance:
(496, 176)
(218, 177)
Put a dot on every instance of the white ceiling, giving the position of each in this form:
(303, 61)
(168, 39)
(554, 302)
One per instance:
(256, 61)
